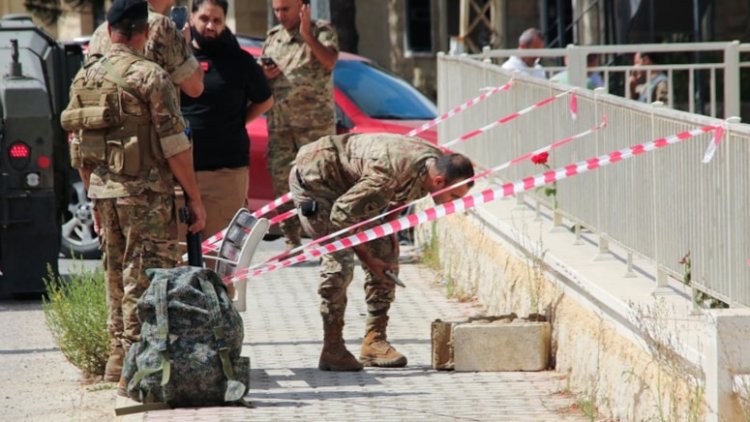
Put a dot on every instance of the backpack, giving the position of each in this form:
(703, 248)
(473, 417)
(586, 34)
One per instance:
(191, 340)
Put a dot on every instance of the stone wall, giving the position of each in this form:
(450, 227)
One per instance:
(626, 379)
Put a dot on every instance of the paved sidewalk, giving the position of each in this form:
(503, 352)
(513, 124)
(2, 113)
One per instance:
(283, 337)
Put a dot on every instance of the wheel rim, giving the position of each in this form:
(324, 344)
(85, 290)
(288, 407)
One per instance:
(78, 227)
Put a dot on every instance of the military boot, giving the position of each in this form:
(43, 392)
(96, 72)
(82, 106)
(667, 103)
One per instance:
(334, 356)
(114, 364)
(376, 350)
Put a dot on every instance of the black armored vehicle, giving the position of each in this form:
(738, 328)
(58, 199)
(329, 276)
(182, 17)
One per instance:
(35, 74)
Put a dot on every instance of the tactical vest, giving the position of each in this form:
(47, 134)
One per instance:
(107, 135)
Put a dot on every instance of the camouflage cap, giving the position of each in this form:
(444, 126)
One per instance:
(133, 10)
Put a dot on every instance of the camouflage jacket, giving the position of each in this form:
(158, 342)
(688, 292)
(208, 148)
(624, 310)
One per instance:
(158, 99)
(303, 92)
(365, 173)
(165, 47)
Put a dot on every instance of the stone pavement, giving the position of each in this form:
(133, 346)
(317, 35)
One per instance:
(283, 337)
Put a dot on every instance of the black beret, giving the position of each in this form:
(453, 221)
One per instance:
(133, 10)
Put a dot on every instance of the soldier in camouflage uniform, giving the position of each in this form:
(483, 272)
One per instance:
(168, 48)
(341, 180)
(132, 188)
(304, 53)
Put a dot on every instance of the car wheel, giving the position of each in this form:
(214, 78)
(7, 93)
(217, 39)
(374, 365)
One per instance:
(79, 239)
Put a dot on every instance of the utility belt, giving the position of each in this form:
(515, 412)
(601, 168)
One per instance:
(127, 150)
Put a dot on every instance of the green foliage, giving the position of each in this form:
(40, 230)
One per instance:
(76, 313)
(703, 299)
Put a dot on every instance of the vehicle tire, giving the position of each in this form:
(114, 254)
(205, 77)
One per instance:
(79, 240)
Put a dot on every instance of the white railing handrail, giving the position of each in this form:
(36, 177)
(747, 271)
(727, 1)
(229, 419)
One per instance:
(658, 206)
(610, 49)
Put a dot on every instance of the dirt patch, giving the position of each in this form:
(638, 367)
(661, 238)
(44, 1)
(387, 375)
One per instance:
(38, 383)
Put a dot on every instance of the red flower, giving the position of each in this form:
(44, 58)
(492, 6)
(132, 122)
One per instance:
(540, 158)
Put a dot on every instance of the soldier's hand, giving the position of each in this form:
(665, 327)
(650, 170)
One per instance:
(187, 34)
(271, 72)
(198, 216)
(378, 267)
(305, 17)
(98, 226)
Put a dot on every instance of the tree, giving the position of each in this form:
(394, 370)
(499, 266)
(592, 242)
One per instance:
(343, 17)
(50, 10)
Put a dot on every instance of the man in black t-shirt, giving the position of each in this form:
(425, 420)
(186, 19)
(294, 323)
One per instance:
(235, 93)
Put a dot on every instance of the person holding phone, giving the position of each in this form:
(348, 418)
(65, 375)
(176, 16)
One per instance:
(298, 59)
(236, 92)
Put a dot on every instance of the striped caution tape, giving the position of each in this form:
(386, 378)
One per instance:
(458, 109)
(508, 118)
(488, 195)
(210, 243)
(477, 176)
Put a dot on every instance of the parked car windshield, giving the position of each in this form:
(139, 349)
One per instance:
(379, 94)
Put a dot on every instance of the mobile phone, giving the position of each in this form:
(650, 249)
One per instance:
(179, 15)
(267, 61)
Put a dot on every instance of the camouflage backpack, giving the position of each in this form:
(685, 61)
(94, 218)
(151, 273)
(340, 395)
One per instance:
(191, 340)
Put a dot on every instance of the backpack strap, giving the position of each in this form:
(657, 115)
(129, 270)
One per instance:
(235, 389)
(162, 335)
(113, 75)
(138, 408)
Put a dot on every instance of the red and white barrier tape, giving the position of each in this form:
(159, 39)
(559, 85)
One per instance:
(458, 205)
(283, 199)
(211, 241)
(210, 244)
(477, 176)
(458, 109)
(512, 116)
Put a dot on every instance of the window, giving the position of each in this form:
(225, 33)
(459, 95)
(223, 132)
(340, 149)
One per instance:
(381, 95)
(418, 26)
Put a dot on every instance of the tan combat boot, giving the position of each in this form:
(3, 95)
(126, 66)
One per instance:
(334, 356)
(376, 350)
(114, 364)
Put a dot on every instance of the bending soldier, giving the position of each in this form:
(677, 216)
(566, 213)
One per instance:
(129, 149)
(342, 180)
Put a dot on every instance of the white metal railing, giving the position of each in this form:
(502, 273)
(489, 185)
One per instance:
(659, 206)
(723, 70)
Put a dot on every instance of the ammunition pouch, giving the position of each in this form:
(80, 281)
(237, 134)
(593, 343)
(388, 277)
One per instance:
(107, 135)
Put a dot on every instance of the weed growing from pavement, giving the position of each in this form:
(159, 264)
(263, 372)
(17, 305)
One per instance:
(431, 252)
(76, 314)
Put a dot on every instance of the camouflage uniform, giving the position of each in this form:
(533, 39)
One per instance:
(165, 47)
(353, 178)
(137, 214)
(303, 109)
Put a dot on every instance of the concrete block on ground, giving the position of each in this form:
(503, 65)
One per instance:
(442, 344)
(520, 345)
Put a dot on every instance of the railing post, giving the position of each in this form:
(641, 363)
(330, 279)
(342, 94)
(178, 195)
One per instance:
(662, 283)
(732, 79)
(577, 66)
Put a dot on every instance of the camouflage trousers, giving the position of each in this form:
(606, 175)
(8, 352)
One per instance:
(283, 146)
(337, 269)
(139, 232)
